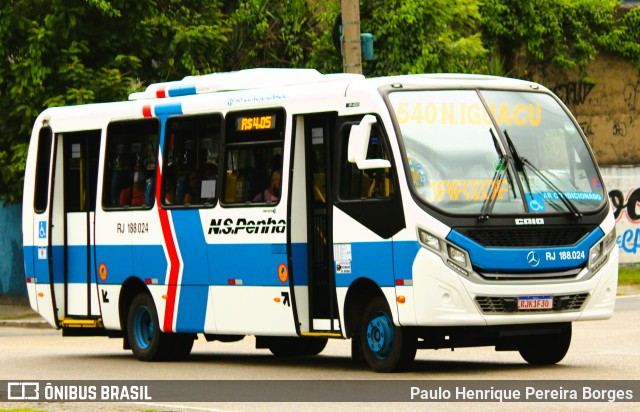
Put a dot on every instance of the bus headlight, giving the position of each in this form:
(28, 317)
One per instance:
(429, 240)
(457, 255)
(453, 256)
(599, 253)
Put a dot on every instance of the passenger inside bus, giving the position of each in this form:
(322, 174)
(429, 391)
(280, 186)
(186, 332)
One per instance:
(134, 195)
(272, 192)
(192, 191)
(169, 192)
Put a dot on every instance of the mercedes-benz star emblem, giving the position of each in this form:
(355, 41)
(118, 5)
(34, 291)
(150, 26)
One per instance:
(532, 259)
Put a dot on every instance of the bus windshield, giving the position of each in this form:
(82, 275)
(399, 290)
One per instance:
(531, 160)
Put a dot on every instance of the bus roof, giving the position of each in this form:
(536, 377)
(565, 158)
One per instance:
(261, 78)
(238, 80)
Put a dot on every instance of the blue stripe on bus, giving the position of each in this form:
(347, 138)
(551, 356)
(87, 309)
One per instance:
(404, 253)
(517, 259)
(300, 269)
(149, 261)
(41, 266)
(118, 260)
(192, 309)
(29, 268)
(182, 91)
(192, 246)
(192, 303)
(373, 260)
(167, 109)
(253, 264)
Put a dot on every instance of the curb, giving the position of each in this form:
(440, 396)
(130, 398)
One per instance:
(31, 324)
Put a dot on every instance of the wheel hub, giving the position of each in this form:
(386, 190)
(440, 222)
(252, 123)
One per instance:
(380, 335)
(143, 327)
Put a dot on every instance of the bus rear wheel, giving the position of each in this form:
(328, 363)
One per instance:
(289, 346)
(147, 342)
(385, 346)
(547, 349)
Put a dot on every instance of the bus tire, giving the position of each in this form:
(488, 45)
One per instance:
(147, 342)
(546, 349)
(385, 346)
(286, 346)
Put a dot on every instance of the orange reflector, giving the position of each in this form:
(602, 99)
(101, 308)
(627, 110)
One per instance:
(401, 299)
(164, 297)
(41, 294)
(277, 300)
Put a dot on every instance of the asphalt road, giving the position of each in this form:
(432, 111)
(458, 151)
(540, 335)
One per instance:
(600, 350)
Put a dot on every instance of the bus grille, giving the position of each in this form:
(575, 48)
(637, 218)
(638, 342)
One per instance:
(526, 236)
(501, 304)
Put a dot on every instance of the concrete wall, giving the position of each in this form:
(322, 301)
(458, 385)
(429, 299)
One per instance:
(623, 184)
(12, 286)
(606, 103)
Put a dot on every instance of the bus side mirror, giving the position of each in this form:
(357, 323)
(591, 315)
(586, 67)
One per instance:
(359, 144)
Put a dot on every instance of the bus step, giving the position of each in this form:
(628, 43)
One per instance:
(81, 323)
(321, 334)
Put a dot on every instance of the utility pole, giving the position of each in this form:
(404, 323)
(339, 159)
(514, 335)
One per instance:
(351, 49)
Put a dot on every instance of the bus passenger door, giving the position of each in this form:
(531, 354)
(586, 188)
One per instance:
(311, 234)
(49, 303)
(80, 171)
(367, 213)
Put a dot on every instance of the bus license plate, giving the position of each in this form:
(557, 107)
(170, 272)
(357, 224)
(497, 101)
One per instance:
(535, 303)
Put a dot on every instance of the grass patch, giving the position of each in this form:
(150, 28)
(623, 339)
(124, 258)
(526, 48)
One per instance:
(629, 276)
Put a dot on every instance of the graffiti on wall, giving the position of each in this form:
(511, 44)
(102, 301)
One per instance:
(626, 210)
(573, 92)
(631, 95)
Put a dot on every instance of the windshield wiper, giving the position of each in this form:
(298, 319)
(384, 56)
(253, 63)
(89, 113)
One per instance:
(490, 201)
(522, 161)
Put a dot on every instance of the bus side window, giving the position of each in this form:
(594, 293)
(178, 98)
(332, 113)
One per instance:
(191, 158)
(130, 168)
(356, 184)
(253, 157)
(42, 170)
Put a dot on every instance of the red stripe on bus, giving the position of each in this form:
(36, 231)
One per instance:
(174, 261)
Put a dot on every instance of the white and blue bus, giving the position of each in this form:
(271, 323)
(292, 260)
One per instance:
(403, 213)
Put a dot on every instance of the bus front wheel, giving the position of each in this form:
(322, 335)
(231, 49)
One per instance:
(147, 341)
(385, 346)
(547, 349)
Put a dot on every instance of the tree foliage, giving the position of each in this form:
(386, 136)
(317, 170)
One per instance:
(65, 52)
(413, 36)
(563, 33)
(624, 38)
(273, 33)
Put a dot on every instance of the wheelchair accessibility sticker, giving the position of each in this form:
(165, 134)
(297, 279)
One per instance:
(42, 230)
(536, 203)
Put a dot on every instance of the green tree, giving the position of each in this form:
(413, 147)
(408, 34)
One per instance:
(624, 38)
(62, 52)
(414, 36)
(541, 33)
(274, 33)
